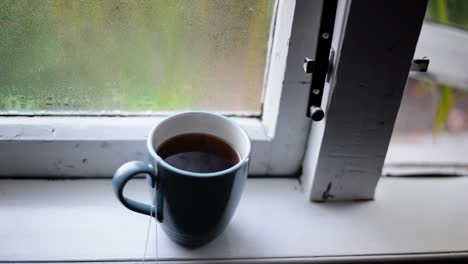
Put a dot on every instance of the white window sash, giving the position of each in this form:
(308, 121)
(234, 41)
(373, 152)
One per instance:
(375, 47)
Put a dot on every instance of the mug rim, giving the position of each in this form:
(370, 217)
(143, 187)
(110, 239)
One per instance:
(160, 161)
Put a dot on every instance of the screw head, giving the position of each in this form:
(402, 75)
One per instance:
(325, 35)
(316, 91)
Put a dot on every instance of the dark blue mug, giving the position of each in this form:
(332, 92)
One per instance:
(193, 208)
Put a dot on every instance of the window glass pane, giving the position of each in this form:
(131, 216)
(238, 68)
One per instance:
(432, 123)
(432, 112)
(133, 56)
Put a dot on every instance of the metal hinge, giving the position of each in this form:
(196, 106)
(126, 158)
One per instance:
(322, 66)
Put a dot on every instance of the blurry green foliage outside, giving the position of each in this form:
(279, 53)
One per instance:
(453, 13)
(450, 12)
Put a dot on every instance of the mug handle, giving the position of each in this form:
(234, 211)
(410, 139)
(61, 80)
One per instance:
(125, 173)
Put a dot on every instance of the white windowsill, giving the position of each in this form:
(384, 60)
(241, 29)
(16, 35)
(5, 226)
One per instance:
(81, 220)
(427, 154)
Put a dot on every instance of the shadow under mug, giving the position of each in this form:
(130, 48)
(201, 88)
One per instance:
(193, 208)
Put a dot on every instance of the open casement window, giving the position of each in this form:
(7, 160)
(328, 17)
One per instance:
(82, 82)
(431, 131)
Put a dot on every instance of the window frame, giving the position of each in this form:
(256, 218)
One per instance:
(85, 146)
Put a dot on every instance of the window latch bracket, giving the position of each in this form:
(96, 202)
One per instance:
(420, 65)
(322, 66)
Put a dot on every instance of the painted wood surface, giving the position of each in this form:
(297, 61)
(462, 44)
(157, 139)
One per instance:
(81, 220)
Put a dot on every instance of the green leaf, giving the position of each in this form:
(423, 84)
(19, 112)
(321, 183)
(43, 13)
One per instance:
(445, 105)
(438, 11)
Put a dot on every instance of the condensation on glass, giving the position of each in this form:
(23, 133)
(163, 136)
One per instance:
(432, 123)
(133, 56)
